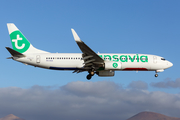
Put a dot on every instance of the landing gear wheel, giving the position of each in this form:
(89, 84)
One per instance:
(156, 75)
(88, 76)
(92, 73)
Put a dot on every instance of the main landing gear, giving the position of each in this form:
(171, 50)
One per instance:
(91, 73)
(88, 76)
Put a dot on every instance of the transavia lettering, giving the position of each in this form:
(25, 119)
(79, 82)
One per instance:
(125, 58)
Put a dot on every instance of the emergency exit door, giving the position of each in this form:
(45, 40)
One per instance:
(38, 59)
(154, 59)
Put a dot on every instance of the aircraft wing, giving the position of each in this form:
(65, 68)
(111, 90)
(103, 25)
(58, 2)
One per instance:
(91, 59)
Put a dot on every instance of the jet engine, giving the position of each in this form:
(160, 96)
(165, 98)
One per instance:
(105, 73)
(111, 65)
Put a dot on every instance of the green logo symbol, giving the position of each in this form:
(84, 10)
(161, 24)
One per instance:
(19, 42)
(115, 65)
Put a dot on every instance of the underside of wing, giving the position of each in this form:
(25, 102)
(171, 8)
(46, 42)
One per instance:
(91, 59)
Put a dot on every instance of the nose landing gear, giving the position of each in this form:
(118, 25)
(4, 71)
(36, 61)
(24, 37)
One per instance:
(156, 75)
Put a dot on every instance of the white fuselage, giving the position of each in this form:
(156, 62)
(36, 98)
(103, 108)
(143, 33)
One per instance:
(74, 61)
(100, 64)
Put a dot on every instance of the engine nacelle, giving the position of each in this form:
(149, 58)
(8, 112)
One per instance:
(111, 65)
(105, 73)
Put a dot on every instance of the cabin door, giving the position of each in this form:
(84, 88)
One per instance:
(38, 59)
(154, 59)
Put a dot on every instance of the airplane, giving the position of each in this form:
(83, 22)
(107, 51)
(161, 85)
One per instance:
(102, 64)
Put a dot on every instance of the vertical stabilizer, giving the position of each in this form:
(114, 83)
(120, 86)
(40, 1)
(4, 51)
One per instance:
(20, 42)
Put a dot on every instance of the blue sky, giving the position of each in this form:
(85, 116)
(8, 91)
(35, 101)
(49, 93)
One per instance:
(106, 26)
(117, 26)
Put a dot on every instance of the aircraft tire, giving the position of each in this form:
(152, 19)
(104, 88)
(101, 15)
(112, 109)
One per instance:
(88, 76)
(156, 75)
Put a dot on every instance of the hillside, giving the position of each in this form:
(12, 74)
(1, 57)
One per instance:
(151, 116)
(11, 117)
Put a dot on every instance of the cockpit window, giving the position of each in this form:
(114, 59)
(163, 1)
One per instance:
(163, 59)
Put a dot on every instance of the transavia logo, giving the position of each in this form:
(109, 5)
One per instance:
(125, 58)
(16, 42)
(115, 65)
(19, 42)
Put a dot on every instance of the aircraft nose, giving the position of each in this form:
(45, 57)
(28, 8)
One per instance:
(170, 64)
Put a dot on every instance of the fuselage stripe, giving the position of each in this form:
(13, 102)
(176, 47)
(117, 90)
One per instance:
(138, 69)
(64, 68)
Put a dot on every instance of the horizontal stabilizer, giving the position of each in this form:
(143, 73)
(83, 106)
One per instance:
(15, 53)
(9, 58)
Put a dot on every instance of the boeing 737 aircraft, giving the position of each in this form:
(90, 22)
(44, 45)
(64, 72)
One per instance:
(94, 63)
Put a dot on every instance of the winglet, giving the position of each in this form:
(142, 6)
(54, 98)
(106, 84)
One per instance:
(76, 37)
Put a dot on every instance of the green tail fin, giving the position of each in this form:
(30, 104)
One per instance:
(20, 42)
